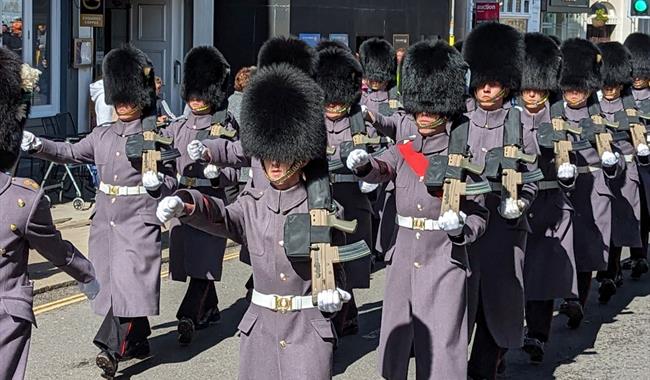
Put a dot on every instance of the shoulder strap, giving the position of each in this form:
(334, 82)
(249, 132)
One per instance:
(512, 132)
(458, 136)
(557, 109)
(628, 101)
(594, 107)
(415, 160)
(357, 124)
(220, 117)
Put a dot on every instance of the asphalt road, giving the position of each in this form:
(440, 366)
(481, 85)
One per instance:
(611, 344)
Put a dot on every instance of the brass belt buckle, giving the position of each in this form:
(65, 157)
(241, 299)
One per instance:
(419, 223)
(283, 304)
(113, 190)
(190, 182)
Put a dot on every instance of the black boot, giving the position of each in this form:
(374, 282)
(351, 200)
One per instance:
(606, 290)
(573, 310)
(138, 350)
(185, 331)
(107, 363)
(639, 268)
(535, 349)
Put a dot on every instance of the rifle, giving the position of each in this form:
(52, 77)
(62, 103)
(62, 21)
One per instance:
(217, 128)
(595, 130)
(503, 161)
(554, 136)
(146, 146)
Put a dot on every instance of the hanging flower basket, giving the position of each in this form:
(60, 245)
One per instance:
(600, 18)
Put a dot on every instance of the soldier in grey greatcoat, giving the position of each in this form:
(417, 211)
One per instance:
(425, 299)
(549, 266)
(495, 54)
(125, 235)
(616, 98)
(283, 334)
(639, 46)
(591, 197)
(25, 223)
(194, 253)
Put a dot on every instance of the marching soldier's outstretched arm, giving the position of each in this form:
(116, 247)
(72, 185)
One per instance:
(43, 236)
(386, 125)
(224, 152)
(81, 152)
(376, 170)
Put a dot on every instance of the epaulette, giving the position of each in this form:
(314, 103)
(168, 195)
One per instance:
(26, 183)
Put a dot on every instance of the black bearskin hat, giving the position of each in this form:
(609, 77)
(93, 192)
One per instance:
(291, 50)
(129, 79)
(339, 75)
(639, 45)
(282, 116)
(581, 65)
(378, 60)
(459, 46)
(13, 108)
(542, 63)
(495, 53)
(433, 79)
(324, 44)
(617, 64)
(555, 39)
(205, 76)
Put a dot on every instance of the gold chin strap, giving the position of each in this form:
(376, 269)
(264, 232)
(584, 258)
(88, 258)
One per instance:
(133, 112)
(201, 109)
(292, 170)
(432, 125)
(574, 103)
(538, 103)
(501, 94)
(337, 110)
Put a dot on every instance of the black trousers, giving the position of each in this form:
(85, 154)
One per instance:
(486, 353)
(642, 253)
(117, 335)
(539, 316)
(613, 264)
(200, 297)
(346, 316)
(584, 285)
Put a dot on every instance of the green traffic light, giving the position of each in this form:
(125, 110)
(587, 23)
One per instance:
(640, 6)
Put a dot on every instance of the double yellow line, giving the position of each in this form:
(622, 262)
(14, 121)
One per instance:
(79, 297)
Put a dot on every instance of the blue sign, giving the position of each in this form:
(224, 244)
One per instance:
(341, 37)
(311, 39)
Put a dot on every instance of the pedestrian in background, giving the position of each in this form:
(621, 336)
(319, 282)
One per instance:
(241, 81)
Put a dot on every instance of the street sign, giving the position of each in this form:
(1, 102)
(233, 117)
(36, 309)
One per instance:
(401, 41)
(311, 39)
(568, 6)
(341, 37)
(91, 13)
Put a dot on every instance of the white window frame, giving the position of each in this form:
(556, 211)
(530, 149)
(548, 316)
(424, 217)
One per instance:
(55, 55)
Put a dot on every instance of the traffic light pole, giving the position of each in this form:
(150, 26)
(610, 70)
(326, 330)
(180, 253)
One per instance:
(452, 37)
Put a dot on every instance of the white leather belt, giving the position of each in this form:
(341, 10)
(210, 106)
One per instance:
(193, 182)
(547, 185)
(629, 158)
(282, 304)
(420, 224)
(588, 169)
(121, 191)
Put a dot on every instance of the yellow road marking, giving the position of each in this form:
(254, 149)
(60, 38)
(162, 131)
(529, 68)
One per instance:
(79, 297)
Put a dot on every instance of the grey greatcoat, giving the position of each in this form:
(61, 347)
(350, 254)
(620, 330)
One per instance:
(273, 345)
(26, 222)
(592, 201)
(626, 204)
(497, 258)
(356, 205)
(425, 299)
(549, 267)
(373, 99)
(642, 100)
(192, 252)
(125, 234)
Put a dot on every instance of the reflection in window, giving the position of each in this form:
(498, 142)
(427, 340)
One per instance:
(41, 51)
(12, 25)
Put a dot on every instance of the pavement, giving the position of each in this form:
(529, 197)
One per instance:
(612, 343)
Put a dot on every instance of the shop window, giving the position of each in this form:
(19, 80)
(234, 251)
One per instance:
(30, 28)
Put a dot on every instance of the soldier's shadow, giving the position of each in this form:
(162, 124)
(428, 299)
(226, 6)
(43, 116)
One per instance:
(166, 349)
(567, 345)
(352, 348)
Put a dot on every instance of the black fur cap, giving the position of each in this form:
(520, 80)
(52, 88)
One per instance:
(339, 74)
(129, 78)
(282, 116)
(542, 63)
(617, 64)
(639, 46)
(291, 50)
(378, 60)
(433, 79)
(324, 44)
(205, 76)
(495, 53)
(13, 108)
(581, 65)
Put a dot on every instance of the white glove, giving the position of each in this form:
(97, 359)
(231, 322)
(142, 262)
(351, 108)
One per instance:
(366, 187)
(452, 222)
(642, 150)
(331, 301)
(609, 159)
(196, 150)
(30, 142)
(211, 171)
(566, 171)
(169, 208)
(90, 289)
(511, 209)
(152, 180)
(357, 159)
(365, 113)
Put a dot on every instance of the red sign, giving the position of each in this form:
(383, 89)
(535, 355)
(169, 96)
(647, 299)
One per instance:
(486, 12)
